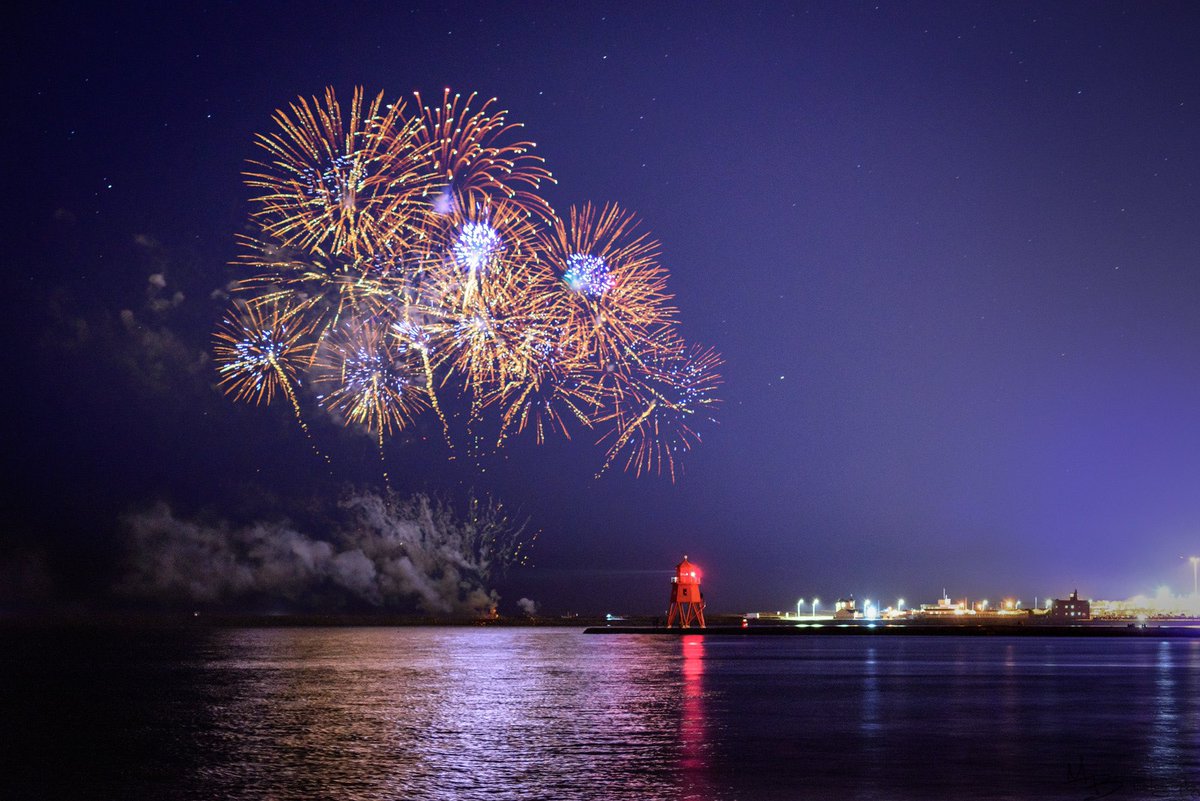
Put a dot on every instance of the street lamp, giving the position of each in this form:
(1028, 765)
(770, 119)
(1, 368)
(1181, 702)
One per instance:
(1195, 560)
(799, 604)
(814, 614)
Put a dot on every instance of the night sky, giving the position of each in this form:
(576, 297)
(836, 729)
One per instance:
(947, 250)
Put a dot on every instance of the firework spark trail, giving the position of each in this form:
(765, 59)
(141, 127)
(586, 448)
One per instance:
(613, 291)
(337, 183)
(260, 349)
(403, 262)
(655, 418)
(470, 156)
(554, 389)
(433, 399)
(312, 442)
(369, 382)
(412, 336)
(626, 433)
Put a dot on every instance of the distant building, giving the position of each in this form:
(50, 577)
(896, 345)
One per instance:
(943, 608)
(844, 609)
(1071, 610)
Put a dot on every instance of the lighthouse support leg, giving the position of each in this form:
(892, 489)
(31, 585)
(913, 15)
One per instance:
(687, 613)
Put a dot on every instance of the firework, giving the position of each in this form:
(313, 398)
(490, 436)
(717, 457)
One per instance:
(261, 349)
(482, 344)
(472, 160)
(481, 247)
(556, 388)
(612, 290)
(476, 246)
(656, 416)
(366, 379)
(403, 264)
(486, 295)
(341, 184)
(332, 287)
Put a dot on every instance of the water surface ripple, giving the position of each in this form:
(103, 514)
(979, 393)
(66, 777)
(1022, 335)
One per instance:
(459, 713)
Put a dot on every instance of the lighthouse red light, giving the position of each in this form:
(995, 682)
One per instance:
(687, 602)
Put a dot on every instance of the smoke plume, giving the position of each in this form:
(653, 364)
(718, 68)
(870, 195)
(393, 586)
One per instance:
(528, 606)
(383, 551)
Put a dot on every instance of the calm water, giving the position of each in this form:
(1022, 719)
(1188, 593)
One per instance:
(555, 714)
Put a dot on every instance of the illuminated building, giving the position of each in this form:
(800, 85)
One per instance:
(944, 607)
(844, 609)
(1071, 610)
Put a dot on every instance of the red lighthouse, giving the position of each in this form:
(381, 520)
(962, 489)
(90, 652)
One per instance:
(687, 602)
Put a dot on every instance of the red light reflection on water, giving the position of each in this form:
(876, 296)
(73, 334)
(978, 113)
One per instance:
(695, 753)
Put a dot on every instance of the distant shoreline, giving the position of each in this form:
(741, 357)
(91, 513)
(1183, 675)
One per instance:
(937, 629)
(723, 625)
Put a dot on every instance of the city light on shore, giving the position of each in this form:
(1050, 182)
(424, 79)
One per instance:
(1162, 603)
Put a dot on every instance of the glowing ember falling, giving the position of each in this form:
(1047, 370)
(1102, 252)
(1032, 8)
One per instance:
(404, 262)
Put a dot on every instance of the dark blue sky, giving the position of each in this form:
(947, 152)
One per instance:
(948, 252)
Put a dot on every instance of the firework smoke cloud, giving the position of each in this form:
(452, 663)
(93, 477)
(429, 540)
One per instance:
(414, 554)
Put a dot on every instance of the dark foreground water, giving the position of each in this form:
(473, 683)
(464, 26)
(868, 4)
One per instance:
(555, 714)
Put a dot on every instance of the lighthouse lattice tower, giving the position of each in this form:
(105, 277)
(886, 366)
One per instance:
(687, 602)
